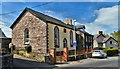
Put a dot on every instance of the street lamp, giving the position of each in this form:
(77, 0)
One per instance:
(75, 43)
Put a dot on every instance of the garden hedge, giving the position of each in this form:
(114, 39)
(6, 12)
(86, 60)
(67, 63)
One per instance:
(111, 51)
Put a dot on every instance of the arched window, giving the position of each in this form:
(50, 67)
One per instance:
(71, 38)
(26, 36)
(65, 43)
(56, 37)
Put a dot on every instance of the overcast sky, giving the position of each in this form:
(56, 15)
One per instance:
(94, 15)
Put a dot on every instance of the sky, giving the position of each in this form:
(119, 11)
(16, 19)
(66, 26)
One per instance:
(96, 16)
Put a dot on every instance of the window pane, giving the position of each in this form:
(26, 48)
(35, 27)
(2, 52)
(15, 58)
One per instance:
(26, 36)
(56, 37)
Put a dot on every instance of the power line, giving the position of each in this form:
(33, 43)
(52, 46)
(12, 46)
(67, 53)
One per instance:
(41, 4)
(3, 22)
(10, 12)
(21, 9)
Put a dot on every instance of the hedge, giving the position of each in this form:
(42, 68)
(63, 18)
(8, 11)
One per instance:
(111, 51)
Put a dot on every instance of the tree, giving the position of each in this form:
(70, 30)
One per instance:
(116, 35)
(106, 35)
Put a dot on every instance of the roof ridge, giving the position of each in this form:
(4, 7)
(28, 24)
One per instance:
(43, 17)
(29, 9)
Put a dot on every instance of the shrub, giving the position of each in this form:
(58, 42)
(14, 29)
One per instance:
(4, 50)
(89, 55)
(28, 49)
(30, 55)
(82, 56)
(111, 51)
(21, 52)
(16, 52)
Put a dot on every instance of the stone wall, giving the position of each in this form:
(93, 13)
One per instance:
(7, 61)
(5, 42)
(37, 33)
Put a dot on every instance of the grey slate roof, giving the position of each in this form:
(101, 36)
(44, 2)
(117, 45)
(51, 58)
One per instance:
(47, 19)
(107, 39)
(104, 40)
(42, 16)
(2, 35)
(95, 36)
(80, 26)
(97, 39)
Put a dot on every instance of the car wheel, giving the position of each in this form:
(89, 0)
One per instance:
(106, 57)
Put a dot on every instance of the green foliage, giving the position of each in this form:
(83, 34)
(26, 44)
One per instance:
(111, 51)
(89, 55)
(16, 52)
(21, 53)
(30, 55)
(106, 35)
(116, 35)
(82, 56)
(28, 49)
(4, 50)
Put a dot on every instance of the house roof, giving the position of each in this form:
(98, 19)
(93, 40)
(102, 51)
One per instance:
(105, 39)
(97, 35)
(46, 18)
(42, 16)
(80, 26)
(108, 38)
(2, 35)
(86, 33)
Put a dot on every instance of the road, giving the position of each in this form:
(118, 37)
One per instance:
(90, 62)
(93, 62)
(23, 63)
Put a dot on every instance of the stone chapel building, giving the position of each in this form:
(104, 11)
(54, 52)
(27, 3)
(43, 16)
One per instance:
(48, 35)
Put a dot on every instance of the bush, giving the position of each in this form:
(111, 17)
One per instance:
(28, 49)
(111, 51)
(30, 55)
(4, 50)
(82, 56)
(21, 52)
(16, 52)
(89, 55)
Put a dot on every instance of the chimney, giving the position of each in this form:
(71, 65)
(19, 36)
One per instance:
(69, 21)
(100, 32)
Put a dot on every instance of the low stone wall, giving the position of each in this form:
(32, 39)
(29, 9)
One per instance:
(7, 61)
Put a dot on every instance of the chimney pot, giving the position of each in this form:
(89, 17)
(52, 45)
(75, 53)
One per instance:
(100, 32)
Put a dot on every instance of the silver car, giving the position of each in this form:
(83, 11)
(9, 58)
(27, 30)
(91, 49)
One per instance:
(99, 53)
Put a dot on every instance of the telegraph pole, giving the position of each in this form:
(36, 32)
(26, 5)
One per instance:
(74, 38)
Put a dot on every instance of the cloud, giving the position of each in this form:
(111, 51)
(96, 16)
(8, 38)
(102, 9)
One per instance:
(59, 16)
(5, 29)
(107, 21)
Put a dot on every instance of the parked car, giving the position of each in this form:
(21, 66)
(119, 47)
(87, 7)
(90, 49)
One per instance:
(99, 53)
